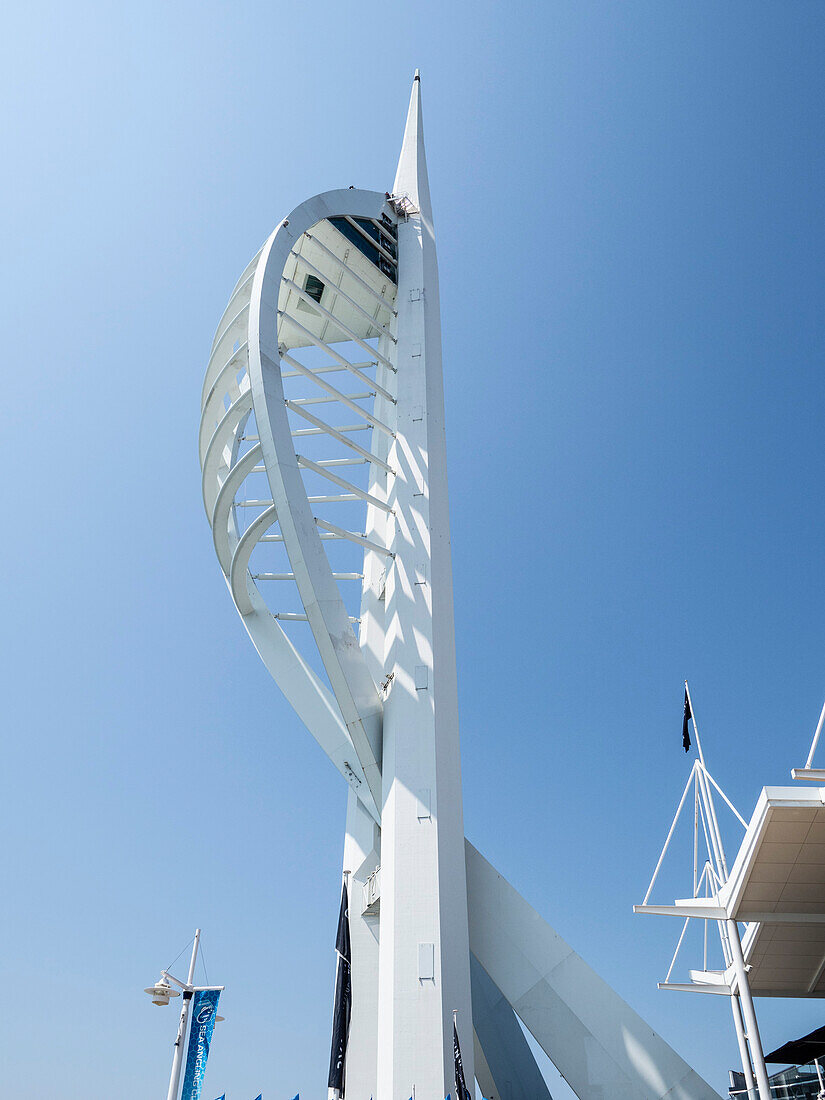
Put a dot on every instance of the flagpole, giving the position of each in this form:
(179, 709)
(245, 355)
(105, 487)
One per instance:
(461, 1090)
(695, 727)
(741, 1004)
(177, 1058)
(715, 833)
(455, 1040)
(810, 759)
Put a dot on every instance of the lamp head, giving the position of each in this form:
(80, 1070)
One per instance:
(161, 992)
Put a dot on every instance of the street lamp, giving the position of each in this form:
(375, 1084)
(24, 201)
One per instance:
(162, 991)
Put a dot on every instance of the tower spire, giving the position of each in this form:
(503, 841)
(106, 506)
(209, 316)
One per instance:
(411, 175)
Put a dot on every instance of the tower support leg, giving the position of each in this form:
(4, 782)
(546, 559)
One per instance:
(746, 1000)
(747, 1068)
(507, 1058)
(596, 1041)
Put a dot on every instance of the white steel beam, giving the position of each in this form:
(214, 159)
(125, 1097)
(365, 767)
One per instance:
(349, 675)
(333, 320)
(361, 540)
(594, 1038)
(343, 363)
(696, 987)
(325, 472)
(335, 433)
(329, 369)
(336, 394)
(370, 240)
(424, 969)
(700, 908)
(330, 400)
(507, 1054)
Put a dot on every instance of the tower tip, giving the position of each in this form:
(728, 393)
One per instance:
(417, 74)
(411, 175)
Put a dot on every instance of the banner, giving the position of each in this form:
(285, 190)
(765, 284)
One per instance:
(461, 1090)
(343, 1003)
(204, 1011)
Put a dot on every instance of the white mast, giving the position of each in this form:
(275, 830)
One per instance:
(424, 969)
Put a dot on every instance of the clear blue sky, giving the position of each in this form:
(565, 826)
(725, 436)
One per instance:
(628, 200)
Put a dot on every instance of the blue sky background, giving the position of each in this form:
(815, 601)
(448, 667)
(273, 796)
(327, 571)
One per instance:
(628, 199)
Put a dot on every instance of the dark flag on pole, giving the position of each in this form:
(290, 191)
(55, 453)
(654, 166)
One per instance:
(343, 1003)
(461, 1090)
(685, 720)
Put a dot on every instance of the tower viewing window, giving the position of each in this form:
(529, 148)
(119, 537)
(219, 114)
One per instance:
(314, 288)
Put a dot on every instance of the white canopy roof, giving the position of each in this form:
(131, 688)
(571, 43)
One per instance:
(777, 882)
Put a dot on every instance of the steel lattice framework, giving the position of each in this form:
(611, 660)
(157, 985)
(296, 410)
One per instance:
(322, 448)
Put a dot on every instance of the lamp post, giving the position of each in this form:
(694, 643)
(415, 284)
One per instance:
(162, 991)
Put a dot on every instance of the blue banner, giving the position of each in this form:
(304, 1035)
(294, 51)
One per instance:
(204, 1011)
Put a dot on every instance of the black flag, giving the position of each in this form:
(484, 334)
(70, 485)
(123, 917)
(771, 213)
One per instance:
(343, 1000)
(461, 1090)
(685, 720)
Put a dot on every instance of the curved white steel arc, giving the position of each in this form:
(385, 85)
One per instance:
(223, 472)
(222, 448)
(235, 310)
(224, 385)
(238, 579)
(311, 700)
(345, 664)
(309, 697)
(223, 532)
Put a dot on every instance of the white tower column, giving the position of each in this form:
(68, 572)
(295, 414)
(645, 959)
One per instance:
(424, 968)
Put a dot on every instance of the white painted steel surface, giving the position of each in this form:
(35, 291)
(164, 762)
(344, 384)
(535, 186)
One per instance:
(594, 1038)
(423, 894)
(509, 1064)
(777, 882)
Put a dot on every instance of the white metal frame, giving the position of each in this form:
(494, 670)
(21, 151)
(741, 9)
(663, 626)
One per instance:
(809, 772)
(705, 904)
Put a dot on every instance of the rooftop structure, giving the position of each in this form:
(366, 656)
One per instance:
(775, 888)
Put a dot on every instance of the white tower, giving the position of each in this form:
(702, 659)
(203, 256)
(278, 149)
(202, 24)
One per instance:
(424, 957)
(324, 479)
